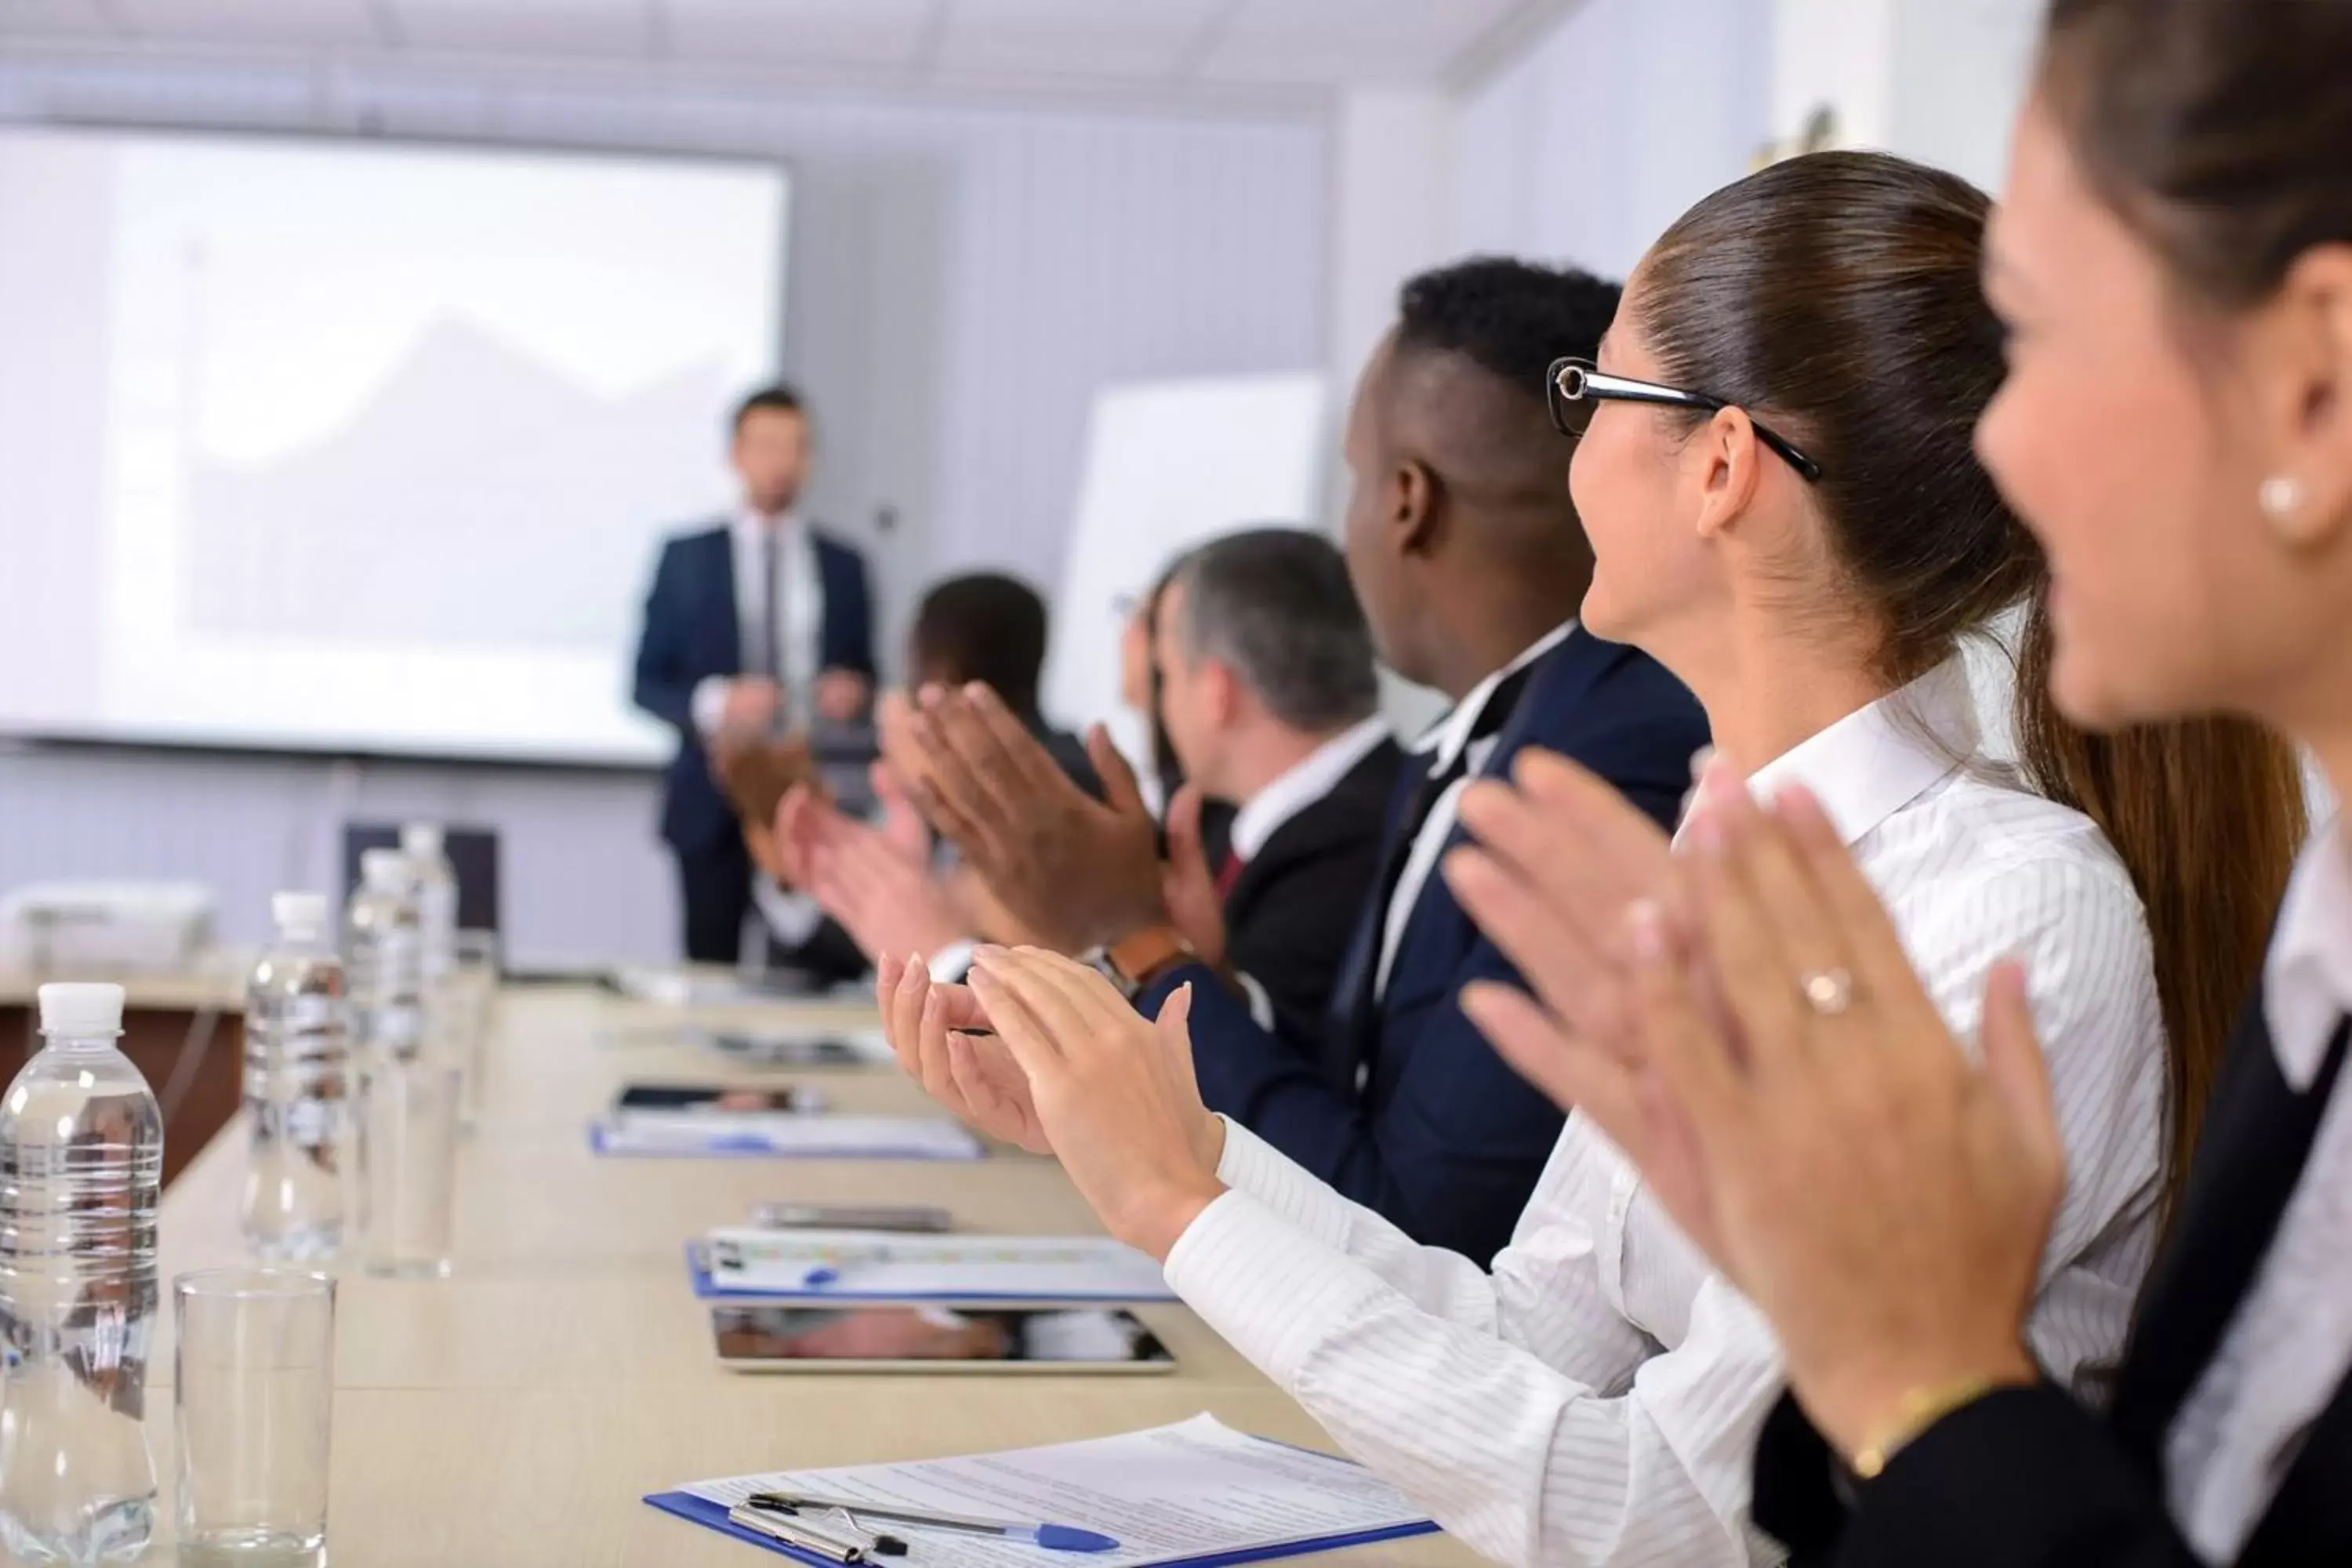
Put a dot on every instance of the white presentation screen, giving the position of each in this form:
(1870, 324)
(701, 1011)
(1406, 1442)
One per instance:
(339, 446)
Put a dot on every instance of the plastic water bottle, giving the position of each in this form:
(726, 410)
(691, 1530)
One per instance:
(437, 900)
(81, 1167)
(298, 1087)
(384, 946)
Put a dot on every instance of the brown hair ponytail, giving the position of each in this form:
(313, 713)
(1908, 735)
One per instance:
(1837, 295)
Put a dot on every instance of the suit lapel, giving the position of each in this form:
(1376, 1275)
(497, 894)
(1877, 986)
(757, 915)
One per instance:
(726, 625)
(2257, 1136)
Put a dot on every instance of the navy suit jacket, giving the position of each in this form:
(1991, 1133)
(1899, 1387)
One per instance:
(691, 633)
(1444, 1138)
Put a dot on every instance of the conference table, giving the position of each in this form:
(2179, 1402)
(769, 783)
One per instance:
(516, 1412)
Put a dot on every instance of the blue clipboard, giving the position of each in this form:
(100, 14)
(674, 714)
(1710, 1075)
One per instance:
(751, 1146)
(713, 1516)
(697, 1269)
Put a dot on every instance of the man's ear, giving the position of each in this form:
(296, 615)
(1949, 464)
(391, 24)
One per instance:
(1221, 687)
(1416, 497)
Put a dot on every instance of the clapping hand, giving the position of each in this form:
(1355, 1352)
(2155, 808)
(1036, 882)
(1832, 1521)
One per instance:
(1080, 872)
(1882, 1198)
(1113, 1091)
(972, 1075)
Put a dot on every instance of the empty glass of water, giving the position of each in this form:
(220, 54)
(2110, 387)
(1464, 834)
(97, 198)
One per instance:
(253, 1392)
(410, 1155)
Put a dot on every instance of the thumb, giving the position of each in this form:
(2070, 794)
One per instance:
(2014, 1065)
(1119, 788)
(1184, 850)
(1174, 1015)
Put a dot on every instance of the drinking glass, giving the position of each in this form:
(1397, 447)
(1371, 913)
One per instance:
(252, 1395)
(410, 1156)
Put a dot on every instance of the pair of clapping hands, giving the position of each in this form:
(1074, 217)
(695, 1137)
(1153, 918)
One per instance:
(1737, 1015)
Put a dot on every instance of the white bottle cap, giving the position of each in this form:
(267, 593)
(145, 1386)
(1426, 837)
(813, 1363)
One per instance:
(386, 871)
(421, 838)
(80, 1012)
(299, 914)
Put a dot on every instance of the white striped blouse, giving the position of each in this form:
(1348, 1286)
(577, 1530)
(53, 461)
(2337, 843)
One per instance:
(1596, 1398)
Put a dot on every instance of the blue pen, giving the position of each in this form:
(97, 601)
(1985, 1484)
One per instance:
(1052, 1537)
(818, 1278)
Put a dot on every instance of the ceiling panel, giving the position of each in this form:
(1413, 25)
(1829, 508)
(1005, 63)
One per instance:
(53, 18)
(1348, 40)
(1131, 38)
(275, 22)
(551, 28)
(867, 33)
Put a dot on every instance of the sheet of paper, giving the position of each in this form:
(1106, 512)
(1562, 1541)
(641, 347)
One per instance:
(1194, 1490)
(791, 1136)
(977, 1268)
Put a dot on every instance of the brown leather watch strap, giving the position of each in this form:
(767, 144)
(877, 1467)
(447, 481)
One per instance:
(1143, 957)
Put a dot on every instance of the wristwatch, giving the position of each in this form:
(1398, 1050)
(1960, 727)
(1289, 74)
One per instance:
(1136, 960)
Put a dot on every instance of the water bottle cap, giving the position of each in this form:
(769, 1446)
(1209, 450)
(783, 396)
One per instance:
(386, 871)
(421, 838)
(80, 1011)
(299, 914)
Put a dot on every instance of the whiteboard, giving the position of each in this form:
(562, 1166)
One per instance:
(1169, 463)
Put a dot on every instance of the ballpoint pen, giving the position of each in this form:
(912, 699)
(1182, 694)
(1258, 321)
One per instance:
(1053, 1537)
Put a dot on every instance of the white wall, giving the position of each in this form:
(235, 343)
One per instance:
(962, 279)
(1586, 147)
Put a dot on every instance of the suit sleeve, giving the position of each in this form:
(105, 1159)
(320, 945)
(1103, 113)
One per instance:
(1455, 1149)
(2024, 1478)
(853, 646)
(663, 687)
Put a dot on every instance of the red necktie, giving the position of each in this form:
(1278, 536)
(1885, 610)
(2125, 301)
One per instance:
(1228, 874)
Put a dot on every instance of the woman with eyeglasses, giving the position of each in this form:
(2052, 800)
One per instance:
(1774, 469)
(2174, 265)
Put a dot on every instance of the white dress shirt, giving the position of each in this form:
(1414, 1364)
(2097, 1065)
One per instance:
(1290, 792)
(1596, 1398)
(1444, 742)
(797, 588)
(2290, 1345)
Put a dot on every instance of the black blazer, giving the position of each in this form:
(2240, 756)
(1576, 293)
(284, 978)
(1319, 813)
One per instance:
(2030, 1480)
(690, 634)
(1445, 1140)
(1293, 908)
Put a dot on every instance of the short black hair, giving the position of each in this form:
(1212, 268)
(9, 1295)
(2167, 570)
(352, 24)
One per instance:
(783, 397)
(1277, 605)
(985, 626)
(1511, 318)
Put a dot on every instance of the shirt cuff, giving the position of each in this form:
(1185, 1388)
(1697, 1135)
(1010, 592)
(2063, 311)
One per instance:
(951, 964)
(792, 917)
(1261, 1006)
(1251, 1164)
(707, 706)
(1272, 1291)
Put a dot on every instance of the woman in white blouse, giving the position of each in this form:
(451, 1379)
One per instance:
(2174, 260)
(1775, 477)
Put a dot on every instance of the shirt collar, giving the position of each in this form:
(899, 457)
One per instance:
(1303, 783)
(749, 524)
(1445, 739)
(1880, 758)
(2307, 976)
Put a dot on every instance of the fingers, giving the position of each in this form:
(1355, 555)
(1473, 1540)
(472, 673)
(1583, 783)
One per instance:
(1574, 1074)
(1080, 1005)
(1005, 759)
(1572, 975)
(1754, 976)
(2018, 1073)
(1867, 935)
(1026, 1037)
(1698, 1066)
(1804, 928)
(1184, 848)
(1119, 788)
(935, 1071)
(1175, 1014)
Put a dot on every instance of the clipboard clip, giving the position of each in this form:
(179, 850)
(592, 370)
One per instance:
(833, 1535)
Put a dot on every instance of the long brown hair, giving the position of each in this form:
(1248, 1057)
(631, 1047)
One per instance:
(1837, 294)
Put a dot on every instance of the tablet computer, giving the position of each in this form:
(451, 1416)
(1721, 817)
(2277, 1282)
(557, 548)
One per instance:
(769, 1338)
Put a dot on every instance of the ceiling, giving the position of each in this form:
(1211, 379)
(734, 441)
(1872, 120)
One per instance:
(1163, 47)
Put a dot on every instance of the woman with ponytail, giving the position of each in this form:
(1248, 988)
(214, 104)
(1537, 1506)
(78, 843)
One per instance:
(1772, 463)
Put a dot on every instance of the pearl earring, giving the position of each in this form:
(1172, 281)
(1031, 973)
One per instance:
(2281, 497)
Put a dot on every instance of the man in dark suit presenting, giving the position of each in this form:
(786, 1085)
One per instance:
(756, 624)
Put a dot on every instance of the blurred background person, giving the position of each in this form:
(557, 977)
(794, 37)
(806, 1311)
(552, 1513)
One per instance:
(755, 624)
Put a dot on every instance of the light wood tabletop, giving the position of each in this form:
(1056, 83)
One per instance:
(516, 1413)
